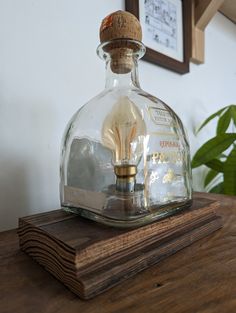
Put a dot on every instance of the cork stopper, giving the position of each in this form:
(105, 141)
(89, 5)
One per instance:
(121, 25)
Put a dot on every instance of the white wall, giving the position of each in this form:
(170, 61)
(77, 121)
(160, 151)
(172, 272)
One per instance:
(49, 68)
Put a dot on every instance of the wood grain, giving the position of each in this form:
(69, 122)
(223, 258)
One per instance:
(202, 13)
(90, 258)
(228, 8)
(200, 278)
(205, 11)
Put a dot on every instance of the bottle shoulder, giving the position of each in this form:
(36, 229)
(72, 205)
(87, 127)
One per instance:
(155, 112)
(140, 97)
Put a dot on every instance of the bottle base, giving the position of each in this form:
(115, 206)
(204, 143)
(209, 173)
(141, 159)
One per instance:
(156, 214)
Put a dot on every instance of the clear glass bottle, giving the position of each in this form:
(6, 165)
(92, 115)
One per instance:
(125, 157)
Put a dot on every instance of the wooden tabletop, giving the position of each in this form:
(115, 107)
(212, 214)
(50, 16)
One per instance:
(198, 279)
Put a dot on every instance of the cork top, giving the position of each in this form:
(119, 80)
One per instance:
(120, 24)
(120, 36)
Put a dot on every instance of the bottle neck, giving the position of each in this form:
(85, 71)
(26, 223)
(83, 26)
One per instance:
(122, 74)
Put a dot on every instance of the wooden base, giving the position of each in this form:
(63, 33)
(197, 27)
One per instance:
(89, 258)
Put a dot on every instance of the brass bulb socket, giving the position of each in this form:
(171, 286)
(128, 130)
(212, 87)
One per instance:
(125, 170)
(127, 179)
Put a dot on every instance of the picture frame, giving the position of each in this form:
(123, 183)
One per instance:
(166, 26)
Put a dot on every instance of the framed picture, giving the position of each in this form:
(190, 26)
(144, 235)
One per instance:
(166, 26)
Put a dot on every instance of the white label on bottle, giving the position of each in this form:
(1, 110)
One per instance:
(160, 116)
(84, 198)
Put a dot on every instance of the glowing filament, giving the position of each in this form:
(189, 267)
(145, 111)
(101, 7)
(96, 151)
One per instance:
(124, 131)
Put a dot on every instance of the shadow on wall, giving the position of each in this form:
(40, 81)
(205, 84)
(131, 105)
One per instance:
(14, 192)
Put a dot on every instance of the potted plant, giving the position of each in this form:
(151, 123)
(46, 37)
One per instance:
(219, 153)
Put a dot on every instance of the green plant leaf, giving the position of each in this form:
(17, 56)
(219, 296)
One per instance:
(215, 164)
(210, 176)
(219, 188)
(233, 113)
(212, 148)
(210, 118)
(230, 174)
(223, 122)
(222, 155)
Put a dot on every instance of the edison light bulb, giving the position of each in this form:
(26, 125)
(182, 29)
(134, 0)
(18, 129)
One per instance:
(123, 132)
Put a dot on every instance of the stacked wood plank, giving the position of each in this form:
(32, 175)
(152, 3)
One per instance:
(90, 258)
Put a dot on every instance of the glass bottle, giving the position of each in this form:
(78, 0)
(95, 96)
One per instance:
(125, 157)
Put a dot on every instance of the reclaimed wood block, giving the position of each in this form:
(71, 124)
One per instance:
(90, 258)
